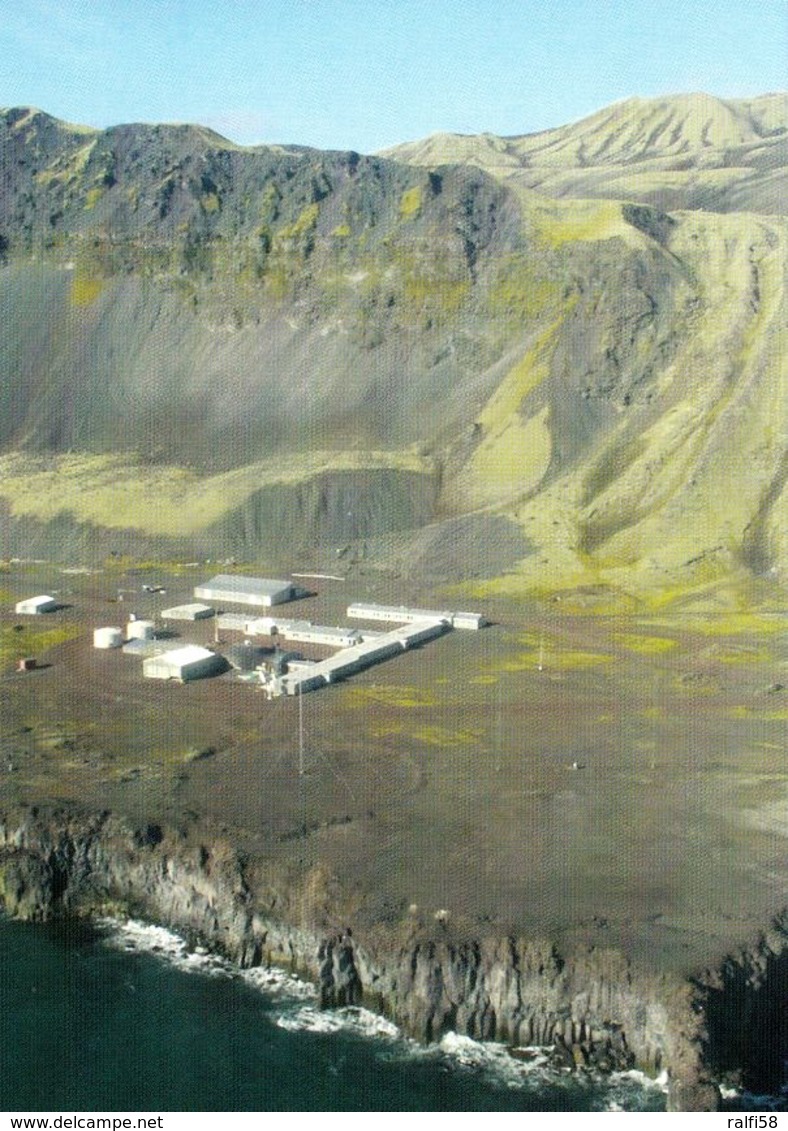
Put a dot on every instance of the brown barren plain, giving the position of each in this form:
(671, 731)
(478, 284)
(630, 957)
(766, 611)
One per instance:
(632, 793)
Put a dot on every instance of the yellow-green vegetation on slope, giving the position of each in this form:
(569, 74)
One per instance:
(563, 222)
(677, 501)
(92, 197)
(85, 289)
(513, 459)
(410, 202)
(210, 202)
(66, 170)
(118, 492)
(304, 223)
(444, 296)
(521, 291)
(515, 448)
(521, 380)
(431, 281)
(698, 480)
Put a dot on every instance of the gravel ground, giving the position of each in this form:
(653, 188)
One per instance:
(634, 791)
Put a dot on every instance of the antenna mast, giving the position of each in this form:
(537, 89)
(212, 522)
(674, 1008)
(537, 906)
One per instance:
(300, 732)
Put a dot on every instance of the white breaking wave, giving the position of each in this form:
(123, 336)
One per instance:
(633, 1080)
(526, 1068)
(496, 1060)
(360, 1022)
(135, 936)
(529, 1068)
(658, 1083)
(533, 1068)
(272, 981)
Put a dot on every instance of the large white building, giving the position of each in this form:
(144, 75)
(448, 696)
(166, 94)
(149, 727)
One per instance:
(194, 611)
(239, 590)
(189, 662)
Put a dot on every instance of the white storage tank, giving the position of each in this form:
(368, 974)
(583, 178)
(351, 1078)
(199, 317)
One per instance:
(140, 630)
(110, 637)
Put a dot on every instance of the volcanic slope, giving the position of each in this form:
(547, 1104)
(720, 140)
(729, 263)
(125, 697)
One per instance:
(206, 345)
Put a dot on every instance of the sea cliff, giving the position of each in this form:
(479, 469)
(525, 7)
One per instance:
(591, 1003)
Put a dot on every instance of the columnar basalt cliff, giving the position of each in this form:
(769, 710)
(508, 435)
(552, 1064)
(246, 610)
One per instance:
(590, 1004)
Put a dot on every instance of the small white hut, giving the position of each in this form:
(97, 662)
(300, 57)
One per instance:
(140, 630)
(35, 605)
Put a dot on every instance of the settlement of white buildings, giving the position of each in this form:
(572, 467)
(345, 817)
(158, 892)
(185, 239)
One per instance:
(287, 674)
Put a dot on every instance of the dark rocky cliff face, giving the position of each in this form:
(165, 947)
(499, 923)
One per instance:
(591, 1003)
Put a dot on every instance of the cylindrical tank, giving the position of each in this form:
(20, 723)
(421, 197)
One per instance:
(140, 630)
(110, 637)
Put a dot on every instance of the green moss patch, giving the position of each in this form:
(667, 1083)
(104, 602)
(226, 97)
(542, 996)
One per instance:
(645, 645)
(389, 695)
(410, 202)
(32, 640)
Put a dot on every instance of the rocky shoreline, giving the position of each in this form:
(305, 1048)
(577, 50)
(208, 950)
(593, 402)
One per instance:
(590, 1003)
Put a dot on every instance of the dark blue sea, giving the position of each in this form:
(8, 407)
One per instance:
(124, 1017)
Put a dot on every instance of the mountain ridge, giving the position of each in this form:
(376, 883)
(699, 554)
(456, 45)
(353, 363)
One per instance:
(684, 151)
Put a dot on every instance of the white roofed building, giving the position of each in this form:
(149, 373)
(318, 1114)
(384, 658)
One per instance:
(472, 621)
(35, 605)
(401, 614)
(189, 662)
(194, 611)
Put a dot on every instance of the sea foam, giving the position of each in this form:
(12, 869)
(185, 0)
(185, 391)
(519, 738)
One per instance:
(135, 936)
(360, 1022)
(528, 1069)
